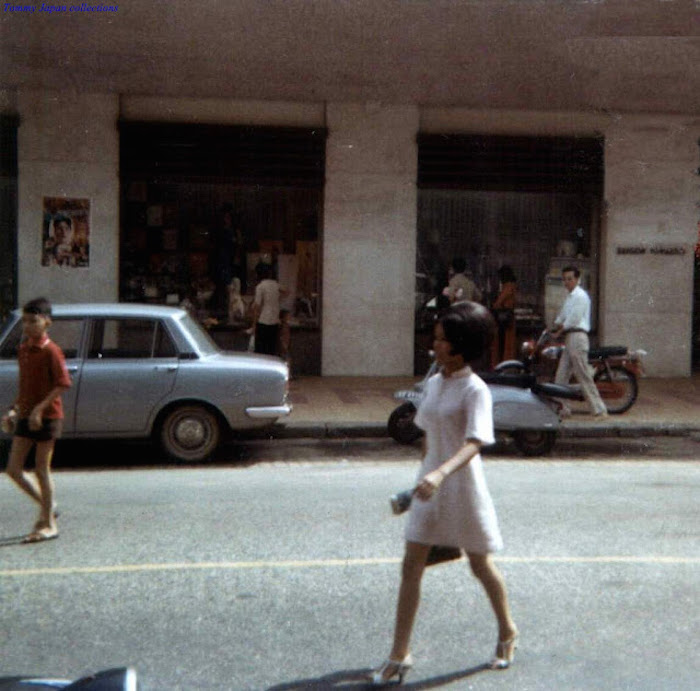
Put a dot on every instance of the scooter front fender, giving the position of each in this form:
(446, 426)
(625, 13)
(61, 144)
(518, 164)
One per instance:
(509, 365)
(520, 409)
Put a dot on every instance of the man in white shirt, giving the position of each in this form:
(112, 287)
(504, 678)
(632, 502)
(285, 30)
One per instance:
(574, 321)
(266, 312)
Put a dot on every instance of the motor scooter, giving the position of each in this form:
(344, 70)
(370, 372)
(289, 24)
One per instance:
(615, 369)
(118, 679)
(519, 412)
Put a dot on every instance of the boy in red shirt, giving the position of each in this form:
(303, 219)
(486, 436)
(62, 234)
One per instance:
(37, 415)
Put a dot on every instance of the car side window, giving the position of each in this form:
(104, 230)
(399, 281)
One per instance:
(10, 346)
(129, 338)
(164, 346)
(67, 334)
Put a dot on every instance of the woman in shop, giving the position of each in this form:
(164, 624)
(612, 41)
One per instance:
(452, 505)
(504, 345)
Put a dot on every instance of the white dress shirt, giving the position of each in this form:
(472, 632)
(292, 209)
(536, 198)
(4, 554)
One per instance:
(267, 298)
(575, 313)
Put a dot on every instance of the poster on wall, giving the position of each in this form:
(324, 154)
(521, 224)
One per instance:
(65, 232)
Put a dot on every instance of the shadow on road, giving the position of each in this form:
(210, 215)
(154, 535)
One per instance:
(11, 541)
(357, 679)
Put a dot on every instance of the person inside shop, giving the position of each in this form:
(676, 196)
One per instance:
(229, 254)
(461, 287)
(266, 311)
(574, 323)
(503, 308)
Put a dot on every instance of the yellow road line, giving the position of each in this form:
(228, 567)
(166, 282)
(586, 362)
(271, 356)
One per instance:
(316, 563)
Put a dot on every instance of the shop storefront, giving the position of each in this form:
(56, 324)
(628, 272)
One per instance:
(202, 206)
(530, 203)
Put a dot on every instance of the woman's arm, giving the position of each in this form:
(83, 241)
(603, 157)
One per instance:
(432, 481)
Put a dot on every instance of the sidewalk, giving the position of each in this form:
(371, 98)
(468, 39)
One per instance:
(337, 407)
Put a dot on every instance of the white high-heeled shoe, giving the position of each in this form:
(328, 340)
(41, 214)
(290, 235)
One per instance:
(505, 653)
(390, 669)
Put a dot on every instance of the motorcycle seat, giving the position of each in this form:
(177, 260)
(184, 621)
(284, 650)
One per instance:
(519, 381)
(606, 351)
(556, 390)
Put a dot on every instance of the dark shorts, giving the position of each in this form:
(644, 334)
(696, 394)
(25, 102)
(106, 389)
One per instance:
(50, 429)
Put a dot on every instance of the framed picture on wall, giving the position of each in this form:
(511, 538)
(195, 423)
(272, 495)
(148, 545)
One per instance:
(65, 232)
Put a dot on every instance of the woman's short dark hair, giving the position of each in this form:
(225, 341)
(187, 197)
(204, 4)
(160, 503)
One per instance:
(469, 328)
(506, 275)
(40, 306)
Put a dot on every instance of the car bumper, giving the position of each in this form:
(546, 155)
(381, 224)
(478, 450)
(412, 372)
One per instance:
(271, 412)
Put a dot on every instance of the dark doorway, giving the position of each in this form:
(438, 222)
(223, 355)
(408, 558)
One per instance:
(8, 214)
(695, 352)
(532, 203)
(206, 205)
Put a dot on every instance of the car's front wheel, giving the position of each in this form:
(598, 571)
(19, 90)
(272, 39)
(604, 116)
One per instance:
(190, 433)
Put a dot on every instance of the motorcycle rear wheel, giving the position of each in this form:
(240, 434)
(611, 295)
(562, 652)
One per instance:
(401, 426)
(534, 442)
(625, 392)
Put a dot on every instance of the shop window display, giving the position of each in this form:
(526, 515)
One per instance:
(203, 204)
(188, 242)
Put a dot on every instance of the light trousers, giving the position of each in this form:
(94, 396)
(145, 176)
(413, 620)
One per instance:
(574, 360)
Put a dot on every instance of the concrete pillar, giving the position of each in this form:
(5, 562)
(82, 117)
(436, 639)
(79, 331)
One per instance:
(651, 194)
(369, 241)
(68, 146)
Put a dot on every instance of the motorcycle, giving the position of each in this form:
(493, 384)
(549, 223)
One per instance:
(616, 371)
(119, 679)
(520, 412)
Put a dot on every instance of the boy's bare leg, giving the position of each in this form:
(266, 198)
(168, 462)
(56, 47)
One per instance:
(21, 446)
(44, 456)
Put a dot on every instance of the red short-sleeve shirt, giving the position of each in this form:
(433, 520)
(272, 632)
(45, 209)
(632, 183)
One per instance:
(41, 368)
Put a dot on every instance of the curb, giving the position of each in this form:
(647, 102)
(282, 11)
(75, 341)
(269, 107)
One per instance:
(374, 430)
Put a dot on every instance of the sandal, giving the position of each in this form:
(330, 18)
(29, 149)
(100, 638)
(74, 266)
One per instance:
(390, 669)
(505, 653)
(41, 535)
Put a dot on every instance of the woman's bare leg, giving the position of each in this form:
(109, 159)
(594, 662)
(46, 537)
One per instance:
(409, 597)
(486, 571)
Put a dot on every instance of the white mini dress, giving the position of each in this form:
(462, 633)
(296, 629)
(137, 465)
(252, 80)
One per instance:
(461, 512)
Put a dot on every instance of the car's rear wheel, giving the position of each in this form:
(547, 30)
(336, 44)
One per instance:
(190, 433)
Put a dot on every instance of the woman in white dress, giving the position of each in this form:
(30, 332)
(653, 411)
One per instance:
(453, 506)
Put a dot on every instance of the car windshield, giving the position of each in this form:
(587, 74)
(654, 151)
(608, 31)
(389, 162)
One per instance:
(203, 341)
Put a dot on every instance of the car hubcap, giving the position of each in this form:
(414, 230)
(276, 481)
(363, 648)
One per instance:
(190, 433)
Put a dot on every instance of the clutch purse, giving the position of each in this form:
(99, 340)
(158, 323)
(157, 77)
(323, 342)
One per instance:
(9, 422)
(439, 554)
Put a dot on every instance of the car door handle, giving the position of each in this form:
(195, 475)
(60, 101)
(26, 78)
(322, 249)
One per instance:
(72, 369)
(165, 368)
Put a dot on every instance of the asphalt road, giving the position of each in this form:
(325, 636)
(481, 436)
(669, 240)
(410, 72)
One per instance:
(276, 568)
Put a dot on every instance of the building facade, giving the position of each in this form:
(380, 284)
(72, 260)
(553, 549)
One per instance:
(364, 212)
